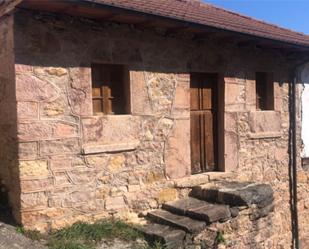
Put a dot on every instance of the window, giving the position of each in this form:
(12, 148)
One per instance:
(264, 91)
(110, 89)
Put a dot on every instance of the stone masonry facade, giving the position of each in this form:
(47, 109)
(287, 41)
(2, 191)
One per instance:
(62, 164)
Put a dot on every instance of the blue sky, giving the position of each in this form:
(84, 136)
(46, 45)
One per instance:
(291, 14)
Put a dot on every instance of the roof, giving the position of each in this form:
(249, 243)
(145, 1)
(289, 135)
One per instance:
(192, 12)
(196, 12)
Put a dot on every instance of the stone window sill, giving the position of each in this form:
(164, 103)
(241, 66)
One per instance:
(261, 135)
(103, 148)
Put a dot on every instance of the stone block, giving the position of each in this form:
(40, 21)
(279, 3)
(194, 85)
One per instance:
(55, 108)
(56, 71)
(118, 191)
(36, 185)
(165, 195)
(230, 122)
(231, 151)
(97, 161)
(102, 192)
(262, 212)
(185, 223)
(234, 97)
(62, 179)
(278, 97)
(28, 150)
(171, 237)
(182, 95)
(60, 147)
(140, 102)
(61, 164)
(115, 203)
(23, 69)
(27, 110)
(116, 163)
(118, 147)
(31, 88)
(250, 95)
(80, 91)
(191, 181)
(31, 201)
(177, 152)
(265, 121)
(134, 188)
(154, 176)
(161, 87)
(43, 215)
(81, 176)
(33, 168)
(302, 176)
(111, 129)
(42, 130)
(78, 197)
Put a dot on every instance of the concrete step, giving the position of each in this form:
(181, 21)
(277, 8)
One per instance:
(184, 223)
(199, 210)
(235, 193)
(171, 238)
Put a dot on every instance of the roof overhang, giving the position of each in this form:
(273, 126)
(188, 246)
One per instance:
(6, 6)
(108, 13)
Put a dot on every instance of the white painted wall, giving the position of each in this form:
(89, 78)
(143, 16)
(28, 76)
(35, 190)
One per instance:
(305, 109)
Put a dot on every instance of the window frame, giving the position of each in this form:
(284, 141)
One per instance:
(111, 105)
(264, 91)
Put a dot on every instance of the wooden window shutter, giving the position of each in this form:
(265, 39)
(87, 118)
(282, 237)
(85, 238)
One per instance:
(264, 91)
(110, 89)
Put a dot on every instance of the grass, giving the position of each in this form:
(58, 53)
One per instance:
(86, 236)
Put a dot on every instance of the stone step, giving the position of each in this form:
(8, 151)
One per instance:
(171, 238)
(185, 223)
(235, 193)
(199, 210)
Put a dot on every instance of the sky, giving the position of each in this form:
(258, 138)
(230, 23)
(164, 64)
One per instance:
(291, 14)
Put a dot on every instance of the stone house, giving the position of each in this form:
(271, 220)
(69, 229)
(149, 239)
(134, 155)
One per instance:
(112, 107)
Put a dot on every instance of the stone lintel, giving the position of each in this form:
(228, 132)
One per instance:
(101, 148)
(261, 135)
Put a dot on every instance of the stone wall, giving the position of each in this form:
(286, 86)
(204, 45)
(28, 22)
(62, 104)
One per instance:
(304, 75)
(76, 166)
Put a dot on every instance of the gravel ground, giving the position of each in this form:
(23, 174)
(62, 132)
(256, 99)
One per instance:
(10, 239)
(120, 244)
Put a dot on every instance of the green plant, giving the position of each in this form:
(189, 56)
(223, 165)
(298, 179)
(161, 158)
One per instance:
(31, 234)
(220, 238)
(82, 235)
(20, 230)
(154, 245)
(97, 231)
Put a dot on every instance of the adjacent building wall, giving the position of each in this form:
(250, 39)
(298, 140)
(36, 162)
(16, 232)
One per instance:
(9, 175)
(76, 166)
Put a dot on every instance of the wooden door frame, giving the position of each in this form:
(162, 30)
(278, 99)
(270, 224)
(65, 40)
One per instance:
(220, 120)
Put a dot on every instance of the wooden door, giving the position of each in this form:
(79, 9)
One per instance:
(203, 115)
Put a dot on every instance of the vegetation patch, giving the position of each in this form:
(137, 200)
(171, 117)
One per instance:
(220, 238)
(82, 235)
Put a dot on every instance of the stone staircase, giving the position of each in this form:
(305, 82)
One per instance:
(178, 222)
